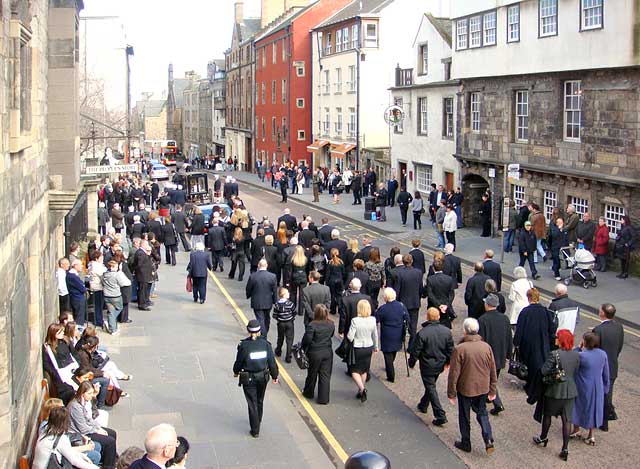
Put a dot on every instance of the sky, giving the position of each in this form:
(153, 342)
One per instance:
(187, 33)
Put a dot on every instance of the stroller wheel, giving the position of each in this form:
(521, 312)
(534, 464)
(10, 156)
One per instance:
(594, 283)
(586, 285)
(567, 281)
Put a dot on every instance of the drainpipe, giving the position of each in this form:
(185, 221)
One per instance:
(357, 50)
(288, 88)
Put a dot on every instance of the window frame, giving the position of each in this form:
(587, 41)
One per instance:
(398, 129)
(284, 49)
(550, 197)
(540, 19)
(327, 82)
(485, 43)
(566, 111)
(301, 135)
(519, 195)
(274, 92)
(298, 101)
(479, 31)
(345, 38)
(264, 92)
(613, 223)
(583, 17)
(338, 123)
(581, 205)
(446, 115)
(355, 36)
(298, 69)
(273, 128)
(338, 40)
(338, 83)
(423, 59)
(516, 8)
(524, 137)
(464, 35)
(351, 125)
(326, 123)
(475, 112)
(371, 41)
(423, 116)
(327, 44)
(274, 52)
(284, 91)
(427, 177)
(351, 84)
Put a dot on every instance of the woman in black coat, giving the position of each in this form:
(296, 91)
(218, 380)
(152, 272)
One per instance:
(335, 279)
(625, 243)
(170, 239)
(535, 333)
(237, 254)
(485, 215)
(272, 256)
(392, 317)
(316, 342)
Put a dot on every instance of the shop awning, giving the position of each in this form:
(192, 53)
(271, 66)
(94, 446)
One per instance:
(341, 150)
(317, 145)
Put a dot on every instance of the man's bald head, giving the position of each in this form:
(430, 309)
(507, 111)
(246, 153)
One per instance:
(160, 443)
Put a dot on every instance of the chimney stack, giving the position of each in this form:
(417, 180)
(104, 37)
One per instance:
(239, 14)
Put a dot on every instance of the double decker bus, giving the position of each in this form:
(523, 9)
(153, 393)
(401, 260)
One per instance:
(165, 151)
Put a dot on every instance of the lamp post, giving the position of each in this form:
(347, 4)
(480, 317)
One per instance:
(128, 52)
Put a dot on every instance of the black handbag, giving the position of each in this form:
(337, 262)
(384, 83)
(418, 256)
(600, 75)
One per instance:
(53, 460)
(516, 367)
(556, 375)
(300, 356)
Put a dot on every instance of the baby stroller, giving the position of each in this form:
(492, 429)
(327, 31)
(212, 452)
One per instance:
(580, 262)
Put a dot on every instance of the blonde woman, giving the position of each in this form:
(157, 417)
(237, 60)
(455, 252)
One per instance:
(237, 254)
(363, 335)
(518, 294)
(299, 265)
(350, 254)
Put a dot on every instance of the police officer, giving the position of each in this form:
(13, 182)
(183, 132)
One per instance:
(254, 363)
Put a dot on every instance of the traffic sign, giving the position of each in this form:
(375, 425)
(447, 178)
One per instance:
(119, 168)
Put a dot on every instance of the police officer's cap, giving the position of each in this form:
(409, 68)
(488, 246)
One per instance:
(253, 326)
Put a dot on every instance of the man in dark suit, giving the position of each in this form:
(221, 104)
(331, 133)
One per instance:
(324, 232)
(350, 305)
(180, 221)
(143, 271)
(392, 281)
(408, 286)
(336, 243)
(257, 250)
(77, 290)
(475, 291)
(227, 191)
(314, 294)
(180, 196)
(366, 249)
(217, 240)
(440, 291)
(495, 329)
(418, 256)
(262, 288)
(305, 235)
(611, 334)
(492, 268)
(289, 220)
(452, 265)
(154, 225)
(235, 189)
(137, 228)
(198, 268)
(160, 444)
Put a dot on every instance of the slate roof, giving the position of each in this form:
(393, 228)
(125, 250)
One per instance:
(353, 10)
(248, 28)
(179, 85)
(153, 107)
(442, 25)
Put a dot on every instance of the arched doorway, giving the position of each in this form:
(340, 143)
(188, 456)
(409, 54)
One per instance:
(473, 186)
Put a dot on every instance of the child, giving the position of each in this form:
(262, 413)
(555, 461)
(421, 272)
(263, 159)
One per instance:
(284, 311)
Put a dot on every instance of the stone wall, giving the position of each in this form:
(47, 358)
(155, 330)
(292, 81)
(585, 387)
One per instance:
(155, 127)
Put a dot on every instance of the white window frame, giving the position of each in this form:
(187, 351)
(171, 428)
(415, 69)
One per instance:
(273, 128)
(264, 56)
(327, 82)
(475, 32)
(274, 52)
(326, 124)
(284, 49)
(519, 195)
(550, 203)
(338, 40)
(613, 214)
(264, 92)
(398, 129)
(423, 116)
(351, 126)
(300, 103)
(338, 80)
(371, 40)
(301, 135)
(522, 116)
(274, 92)
(513, 23)
(327, 44)
(547, 18)
(284, 128)
(345, 38)
(572, 92)
(462, 34)
(489, 28)
(424, 58)
(581, 205)
(424, 177)
(591, 11)
(351, 84)
(338, 126)
(354, 36)
(284, 91)
(475, 112)
(300, 70)
(264, 128)
(448, 118)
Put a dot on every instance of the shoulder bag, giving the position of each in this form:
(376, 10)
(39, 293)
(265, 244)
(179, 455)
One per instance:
(556, 375)
(53, 460)
(516, 367)
(300, 356)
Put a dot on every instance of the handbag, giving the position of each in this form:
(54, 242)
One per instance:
(556, 375)
(113, 396)
(300, 356)
(189, 284)
(53, 460)
(516, 367)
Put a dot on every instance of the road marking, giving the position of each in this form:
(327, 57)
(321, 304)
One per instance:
(317, 420)
(591, 316)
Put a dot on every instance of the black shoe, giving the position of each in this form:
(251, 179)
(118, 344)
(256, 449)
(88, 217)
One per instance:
(278, 352)
(255, 434)
(613, 416)
(231, 276)
(128, 321)
(221, 269)
(363, 397)
(391, 380)
(466, 447)
(149, 303)
(308, 396)
(536, 277)
(423, 409)
(239, 279)
(564, 454)
(496, 410)
(144, 308)
(201, 301)
(439, 422)
(359, 395)
(287, 360)
(540, 441)
(604, 428)
(489, 448)
(195, 300)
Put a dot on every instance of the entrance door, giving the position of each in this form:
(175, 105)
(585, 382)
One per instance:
(473, 186)
(448, 180)
(248, 156)
(402, 174)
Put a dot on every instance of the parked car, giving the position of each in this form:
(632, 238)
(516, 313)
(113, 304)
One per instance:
(159, 171)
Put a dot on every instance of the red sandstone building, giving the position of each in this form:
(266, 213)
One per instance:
(283, 83)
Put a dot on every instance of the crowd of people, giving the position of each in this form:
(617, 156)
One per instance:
(300, 269)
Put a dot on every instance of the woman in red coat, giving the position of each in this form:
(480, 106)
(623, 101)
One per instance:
(601, 245)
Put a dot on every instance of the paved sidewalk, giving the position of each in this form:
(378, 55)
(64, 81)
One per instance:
(623, 293)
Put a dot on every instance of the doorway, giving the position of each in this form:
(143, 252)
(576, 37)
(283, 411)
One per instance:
(402, 174)
(473, 186)
(448, 180)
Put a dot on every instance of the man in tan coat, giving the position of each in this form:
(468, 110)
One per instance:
(539, 225)
(472, 378)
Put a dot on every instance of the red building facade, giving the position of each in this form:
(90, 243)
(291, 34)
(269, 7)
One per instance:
(283, 84)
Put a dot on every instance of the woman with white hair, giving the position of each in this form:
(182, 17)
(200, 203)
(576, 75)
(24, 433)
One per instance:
(198, 268)
(518, 294)
(393, 318)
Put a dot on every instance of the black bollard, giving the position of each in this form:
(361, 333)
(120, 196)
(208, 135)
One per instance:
(367, 460)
